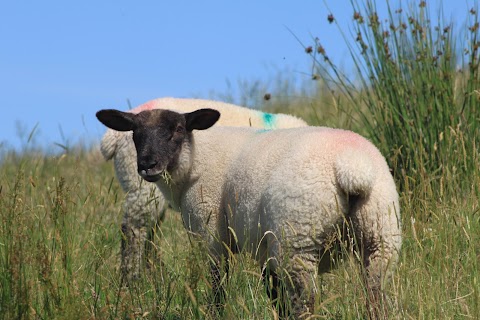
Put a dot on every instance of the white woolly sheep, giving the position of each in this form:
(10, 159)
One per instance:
(144, 205)
(279, 194)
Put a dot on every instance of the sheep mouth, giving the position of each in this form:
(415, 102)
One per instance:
(152, 178)
(151, 175)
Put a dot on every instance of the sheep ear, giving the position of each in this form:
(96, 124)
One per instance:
(201, 119)
(117, 120)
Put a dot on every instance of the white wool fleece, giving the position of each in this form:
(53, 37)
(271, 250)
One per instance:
(293, 182)
(144, 204)
(283, 194)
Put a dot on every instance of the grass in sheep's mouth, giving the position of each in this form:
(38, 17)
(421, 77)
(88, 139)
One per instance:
(167, 177)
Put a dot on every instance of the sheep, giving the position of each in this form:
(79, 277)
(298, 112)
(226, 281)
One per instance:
(280, 195)
(144, 206)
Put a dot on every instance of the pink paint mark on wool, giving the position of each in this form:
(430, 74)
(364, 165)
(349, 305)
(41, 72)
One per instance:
(355, 143)
(343, 139)
(351, 138)
(146, 106)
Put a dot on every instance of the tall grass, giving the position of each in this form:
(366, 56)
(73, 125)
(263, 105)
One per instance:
(60, 239)
(416, 88)
(59, 250)
(415, 92)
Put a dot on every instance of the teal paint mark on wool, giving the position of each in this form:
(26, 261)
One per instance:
(269, 120)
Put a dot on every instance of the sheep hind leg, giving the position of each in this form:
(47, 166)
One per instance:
(301, 284)
(374, 275)
(293, 291)
(378, 239)
(275, 291)
(218, 288)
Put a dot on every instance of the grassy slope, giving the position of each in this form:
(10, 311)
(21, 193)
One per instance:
(60, 239)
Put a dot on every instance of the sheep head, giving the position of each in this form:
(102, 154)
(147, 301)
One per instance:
(158, 135)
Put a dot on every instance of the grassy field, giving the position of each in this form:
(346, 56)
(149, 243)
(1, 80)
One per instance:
(60, 215)
(60, 240)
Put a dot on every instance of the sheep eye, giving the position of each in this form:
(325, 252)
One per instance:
(178, 130)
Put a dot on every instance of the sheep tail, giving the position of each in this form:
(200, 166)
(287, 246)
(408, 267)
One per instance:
(108, 145)
(355, 172)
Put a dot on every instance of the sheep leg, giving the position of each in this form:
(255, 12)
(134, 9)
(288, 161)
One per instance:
(373, 277)
(143, 212)
(134, 234)
(378, 237)
(296, 286)
(218, 288)
(301, 284)
(275, 291)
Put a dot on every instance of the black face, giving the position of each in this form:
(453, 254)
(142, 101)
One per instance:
(158, 143)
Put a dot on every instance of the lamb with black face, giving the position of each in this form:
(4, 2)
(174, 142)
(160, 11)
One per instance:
(158, 135)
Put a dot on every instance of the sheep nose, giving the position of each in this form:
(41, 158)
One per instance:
(145, 166)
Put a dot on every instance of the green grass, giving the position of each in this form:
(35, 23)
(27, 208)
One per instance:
(60, 239)
(60, 215)
(416, 89)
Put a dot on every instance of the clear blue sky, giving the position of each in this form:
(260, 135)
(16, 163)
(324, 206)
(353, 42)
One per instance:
(61, 61)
